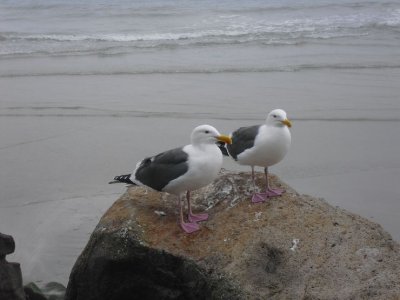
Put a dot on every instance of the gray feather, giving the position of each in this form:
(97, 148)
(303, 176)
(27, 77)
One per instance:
(242, 139)
(157, 171)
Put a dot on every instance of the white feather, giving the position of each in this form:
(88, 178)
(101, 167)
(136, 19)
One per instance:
(204, 161)
(271, 143)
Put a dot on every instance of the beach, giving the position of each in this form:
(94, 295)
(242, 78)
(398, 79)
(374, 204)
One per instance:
(75, 114)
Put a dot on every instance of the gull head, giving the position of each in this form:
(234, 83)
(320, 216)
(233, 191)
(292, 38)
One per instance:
(207, 134)
(278, 117)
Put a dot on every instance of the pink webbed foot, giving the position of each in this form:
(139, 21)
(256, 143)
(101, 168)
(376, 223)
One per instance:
(258, 197)
(262, 197)
(189, 227)
(197, 218)
(274, 192)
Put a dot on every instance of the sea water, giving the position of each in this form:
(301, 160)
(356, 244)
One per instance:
(87, 88)
(196, 36)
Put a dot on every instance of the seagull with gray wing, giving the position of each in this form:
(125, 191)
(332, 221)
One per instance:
(182, 170)
(261, 145)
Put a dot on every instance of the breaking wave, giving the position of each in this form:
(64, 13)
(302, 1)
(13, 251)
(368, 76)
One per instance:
(226, 29)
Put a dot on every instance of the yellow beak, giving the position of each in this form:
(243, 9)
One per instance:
(225, 139)
(287, 123)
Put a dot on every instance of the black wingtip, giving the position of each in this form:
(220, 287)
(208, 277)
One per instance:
(122, 179)
(222, 147)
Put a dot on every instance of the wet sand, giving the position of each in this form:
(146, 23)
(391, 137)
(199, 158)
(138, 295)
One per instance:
(62, 138)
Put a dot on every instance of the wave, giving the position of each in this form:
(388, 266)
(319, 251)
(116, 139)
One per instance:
(111, 47)
(256, 27)
(188, 115)
(312, 6)
(221, 25)
(125, 37)
(259, 31)
(291, 68)
(116, 44)
(46, 107)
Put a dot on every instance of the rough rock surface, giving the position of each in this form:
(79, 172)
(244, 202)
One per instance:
(7, 245)
(33, 292)
(10, 273)
(291, 247)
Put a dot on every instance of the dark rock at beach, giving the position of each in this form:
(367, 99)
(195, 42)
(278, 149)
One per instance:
(54, 291)
(51, 291)
(10, 273)
(290, 247)
(33, 292)
(7, 245)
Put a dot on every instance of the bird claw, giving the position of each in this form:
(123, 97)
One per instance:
(274, 192)
(197, 218)
(189, 227)
(258, 197)
(262, 197)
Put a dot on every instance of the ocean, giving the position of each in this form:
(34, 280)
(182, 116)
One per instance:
(196, 36)
(87, 88)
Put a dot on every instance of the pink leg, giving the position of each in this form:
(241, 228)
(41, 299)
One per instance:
(191, 216)
(187, 227)
(257, 197)
(270, 192)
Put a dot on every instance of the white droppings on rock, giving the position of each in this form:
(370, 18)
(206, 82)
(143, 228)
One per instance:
(123, 232)
(257, 216)
(295, 244)
(160, 213)
(368, 252)
(235, 201)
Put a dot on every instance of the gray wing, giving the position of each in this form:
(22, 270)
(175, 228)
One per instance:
(242, 139)
(157, 171)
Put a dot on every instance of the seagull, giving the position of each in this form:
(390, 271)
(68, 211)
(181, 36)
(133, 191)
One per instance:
(261, 145)
(182, 169)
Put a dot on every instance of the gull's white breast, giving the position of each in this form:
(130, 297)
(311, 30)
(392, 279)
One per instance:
(204, 163)
(270, 147)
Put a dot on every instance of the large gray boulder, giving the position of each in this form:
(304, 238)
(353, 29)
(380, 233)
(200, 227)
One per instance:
(291, 247)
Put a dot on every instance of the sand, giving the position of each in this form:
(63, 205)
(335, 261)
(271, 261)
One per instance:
(62, 138)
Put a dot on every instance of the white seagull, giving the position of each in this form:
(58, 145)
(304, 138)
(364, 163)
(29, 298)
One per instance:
(182, 170)
(261, 145)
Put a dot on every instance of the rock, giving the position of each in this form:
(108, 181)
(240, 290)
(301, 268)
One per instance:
(7, 245)
(291, 247)
(51, 291)
(33, 292)
(10, 273)
(54, 291)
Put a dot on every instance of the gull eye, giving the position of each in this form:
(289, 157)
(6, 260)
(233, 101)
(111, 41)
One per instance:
(206, 132)
(274, 116)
